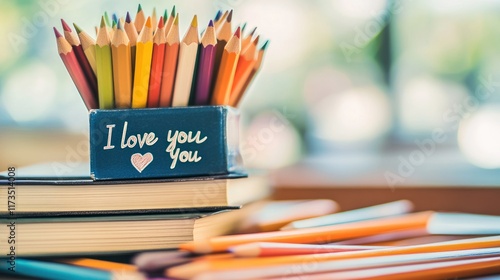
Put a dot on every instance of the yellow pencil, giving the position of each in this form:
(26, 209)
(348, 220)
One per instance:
(227, 69)
(104, 68)
(144, 52)
(186, 64)
(122, 68)
(88, 46)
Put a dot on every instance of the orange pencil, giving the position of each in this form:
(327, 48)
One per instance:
(100, 264)
(190, 270)
(75, 71)
(132, 37)
(273, 249)
(170, 64)
(159, 43)
(314, 235)
(248, 39)
(227, 69)
(224, 34)
(122, 68)
(238, 95)
(246, 64)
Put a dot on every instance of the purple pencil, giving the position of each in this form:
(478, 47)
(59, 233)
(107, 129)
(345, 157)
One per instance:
(208, 49)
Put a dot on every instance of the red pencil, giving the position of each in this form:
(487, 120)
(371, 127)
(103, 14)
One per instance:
(74, 41)
(75, 71)
(170, 64)
(208, 49)
(157, 65)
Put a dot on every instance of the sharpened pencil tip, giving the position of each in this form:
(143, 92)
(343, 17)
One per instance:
(114, 17)
(65, 26)
(256, 41)
(264, 47)
(77, 28)
(238, 32)
(139, 8)
(119, 25)
(106, 18)
(160, 22)
(194, 22)
(253, 31)
(211, 23)
(127, 18)
(243, 27)
(176, 21)
(230, 16)
(172, 14)
(218, 15)
(148, 23)
(165, 16)
(58, 35)
(103, 22)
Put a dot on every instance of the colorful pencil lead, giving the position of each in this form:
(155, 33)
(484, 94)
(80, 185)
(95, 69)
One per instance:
(227, 69)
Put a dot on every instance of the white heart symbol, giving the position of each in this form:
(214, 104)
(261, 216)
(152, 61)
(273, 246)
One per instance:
(140, 162)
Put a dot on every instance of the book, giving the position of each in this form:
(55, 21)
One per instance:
(39, 193)
(48, 236)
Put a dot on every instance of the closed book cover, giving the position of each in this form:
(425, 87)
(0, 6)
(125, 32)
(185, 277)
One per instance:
(164, 142)
(79, 196)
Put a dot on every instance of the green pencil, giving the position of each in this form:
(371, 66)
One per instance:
(104, 67)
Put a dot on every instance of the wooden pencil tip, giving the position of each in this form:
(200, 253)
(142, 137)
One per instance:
(218, 15)
(176, 21)
(65, 26)
(106, 19)
(173, 12)
(194, 22)
(165, 16)
(256, 41)
(148, 23)
(230, 16)
(127, 18)
(160, 22)
(103, 22)
(243, 27)
(139, 8)
(114, 17)
(77, 28)
(264, 47)
(58, 35)
(238, 32)
(119, 25)
(211, 23)
(253, 31)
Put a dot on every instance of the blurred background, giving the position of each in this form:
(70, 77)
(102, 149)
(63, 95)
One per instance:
(366, 91)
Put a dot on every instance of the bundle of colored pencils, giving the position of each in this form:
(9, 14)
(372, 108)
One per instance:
(143, 63)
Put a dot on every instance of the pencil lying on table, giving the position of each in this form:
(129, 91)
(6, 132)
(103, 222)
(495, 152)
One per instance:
(275, 266)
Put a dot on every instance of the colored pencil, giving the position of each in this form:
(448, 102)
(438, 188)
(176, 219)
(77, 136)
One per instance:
(154, 261)
(109, 24)
(165, 17)
(246, 63)
(438, 270)
(206, 65)
(75, 71)
(248, 39)
(275, 214)
(218, 21)
(373, 212)
(140, 19)
(169, 22)
(227, 69)
(190, 270)
(144, 53)
(235, 102)
(99, 264)
(186, 65)
(314, 235)
(58, 271)
(88, 46)
(74, 41)
(122, 68)
(287, 271)
(159, 43)
(224, 33)
(154, 20)
(170, 64)
(104, 68)
(217, 16)
(132, 37)
(273, 249)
